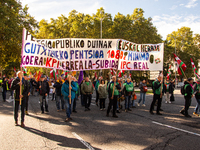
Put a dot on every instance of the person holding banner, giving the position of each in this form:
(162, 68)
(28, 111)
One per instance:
(43, 92)
(157, 87)
(67, 97)
(113, 92)
(87, 90)
(25, 91)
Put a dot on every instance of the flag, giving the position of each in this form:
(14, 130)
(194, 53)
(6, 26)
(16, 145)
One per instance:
(112, 71)
(121, 73)
(182, 66)
(24, 70)
(95, 75)
(15, 72)
(168, 73)
(53, 73)
(38, 76)
(62, 74)
(194, 69)
(66, 73)
(57, 74)
(80, 79)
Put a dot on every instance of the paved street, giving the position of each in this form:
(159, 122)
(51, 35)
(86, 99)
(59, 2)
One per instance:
(137, 129)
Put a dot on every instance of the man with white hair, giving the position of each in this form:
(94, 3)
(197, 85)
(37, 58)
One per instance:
(157, 94)
(16, 86)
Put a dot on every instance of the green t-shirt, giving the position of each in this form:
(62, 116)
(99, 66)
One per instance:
(129, 87)
(116, 92)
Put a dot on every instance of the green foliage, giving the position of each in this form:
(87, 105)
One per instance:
(132, 27)
(186, 46)
(13, 18)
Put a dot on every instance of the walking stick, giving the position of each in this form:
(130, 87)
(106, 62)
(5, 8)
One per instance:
(20, 99)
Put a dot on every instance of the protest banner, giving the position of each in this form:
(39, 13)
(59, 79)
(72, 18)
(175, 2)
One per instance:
(142, 57)
(76, 54)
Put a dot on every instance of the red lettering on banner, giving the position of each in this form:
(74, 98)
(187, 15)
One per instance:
(127, 65)
(48, 62)
(54, 61)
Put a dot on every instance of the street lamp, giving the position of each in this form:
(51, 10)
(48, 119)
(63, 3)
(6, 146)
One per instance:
(101, 19)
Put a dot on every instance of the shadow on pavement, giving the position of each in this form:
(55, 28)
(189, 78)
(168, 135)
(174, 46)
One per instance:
(62, 140)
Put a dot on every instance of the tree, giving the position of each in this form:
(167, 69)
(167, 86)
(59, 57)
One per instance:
(184, 42)
(13, 19)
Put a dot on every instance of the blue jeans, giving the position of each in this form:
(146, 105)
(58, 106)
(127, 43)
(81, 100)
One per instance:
(58, 99)
(197, 106)
(68, 107)
(127, 102)
(142, 97)
(133, 103)
(74, 104)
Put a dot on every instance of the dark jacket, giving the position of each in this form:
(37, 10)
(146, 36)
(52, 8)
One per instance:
(4, 85)
(33, 82)
(188, 90)
(25, 87)
(44, 87)
(171, 87)
(58, 87)
(141, 87)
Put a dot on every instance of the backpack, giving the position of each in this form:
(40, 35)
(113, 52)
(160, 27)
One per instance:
(183, 89)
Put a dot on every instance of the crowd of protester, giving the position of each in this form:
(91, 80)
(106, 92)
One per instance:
(67, 92)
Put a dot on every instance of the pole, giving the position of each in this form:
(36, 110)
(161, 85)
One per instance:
(20, 99)
(101, 73)
(175, 66)
(114, 88)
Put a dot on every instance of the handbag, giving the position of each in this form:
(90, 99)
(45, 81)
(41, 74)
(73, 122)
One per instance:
(134, 97)
(145, 88)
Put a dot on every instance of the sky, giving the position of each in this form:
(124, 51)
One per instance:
(167, 15)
